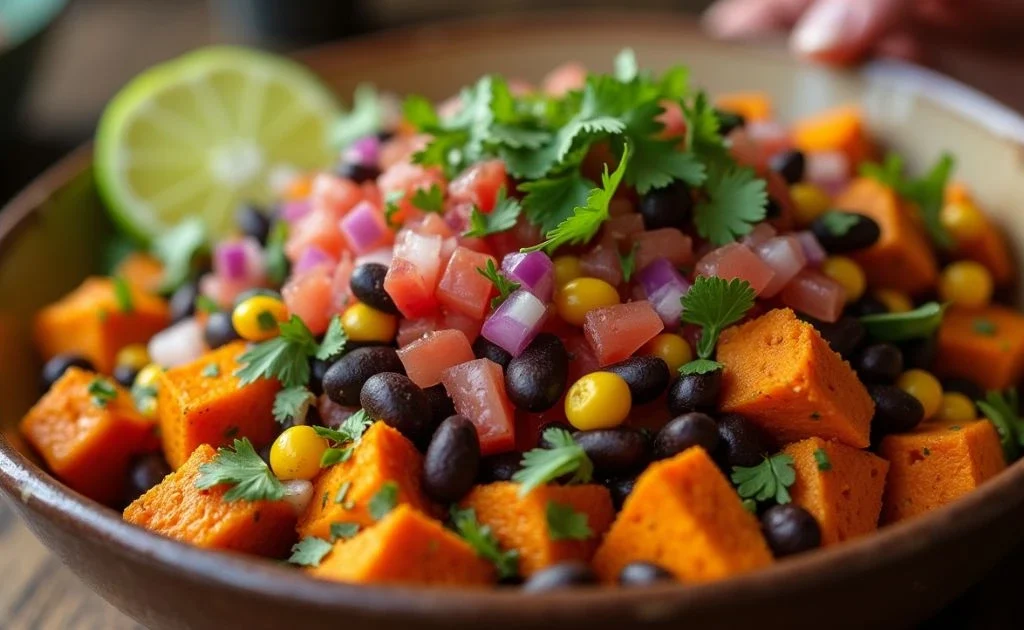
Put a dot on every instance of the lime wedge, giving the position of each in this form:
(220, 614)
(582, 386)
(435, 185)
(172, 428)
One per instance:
(196, 136)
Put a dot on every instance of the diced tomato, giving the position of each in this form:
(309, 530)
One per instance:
(778, 192)
(815, 294)
(621, 227)
(456, 214)
(401, 148)
(771, 137)
(334, 195)
(582, 360)
(407, 178)
(673, 120)
(412, 276)
(479, 185)
(479, 245)
(736, 260)
(745, 151)
(432, 224)
(616, 332)
(620, 206)
(310, 295)
(529, 426)
(477, 388)
(602, 261)
(222, 291)
(409, 330)
(668, 243)
(316, 229)
(462, 287)
(565, 78)
(340, 283)
(429, 356)
(469, 326)
(761, 233)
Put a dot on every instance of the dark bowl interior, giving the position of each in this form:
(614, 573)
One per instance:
(51, 236)
(17, 64)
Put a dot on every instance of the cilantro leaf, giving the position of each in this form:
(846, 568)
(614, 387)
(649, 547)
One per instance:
(392, 206)
(504, 286)
(821, 458)
(838, 223)
(123, 295)
(714, 304)
(206, 304)
(626, 67)
(889, 172)
(586, 220)
(211, 370)
(565, 523)
(310, 551)
(544, 465)
(292, 403)
(1003, 410)
(334, 341)
(344, 439)
(703, 127)
(984, 326)
(343, 531)
(343, 489)
(277, 264)
(919, 323)
(384, 500)
(101, 391)
(736, 200)
(419, 112)
(627, 262)
(285, 357)
(483, 542)
(177, 249)
(503, 217)
(335, 455)
(364, 119)
(700, 366)
(548, 202)
(239, 466)
(430, 199)
(768, 481)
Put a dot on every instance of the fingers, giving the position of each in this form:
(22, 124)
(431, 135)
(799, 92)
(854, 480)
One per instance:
(844, 31)
(734, 19)
(902, 45)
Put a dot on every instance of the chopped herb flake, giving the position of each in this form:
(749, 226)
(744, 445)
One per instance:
(504, 286)
(821, 457)
(544, 465)
(385, 500)
(984, 326)
(102, 392)
(343, 531)
(768, 481)
(565, 523)
(310, 551)
(123, 295)
(211, 370)
(482, 540)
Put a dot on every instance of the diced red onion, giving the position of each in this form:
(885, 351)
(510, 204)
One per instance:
(815, 294)
(658, 274)
(382, 255)
(761, 233)
(813, 251)
(363, 227)
(664, 287)
(364, 151)
(298, 493)
(311, 257)
(238, 259)
(292, 211)
(180, 344)
(516, 322)
(534, 272)
(668, 303)
(828, 169)
(786, 258)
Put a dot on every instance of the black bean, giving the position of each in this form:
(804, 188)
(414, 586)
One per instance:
(742, 443)
(55, 367)
(358, 173)
(695, 392)
(879, 363)
(790, 529)
(367, 284)
(964, 386)
(441, 405)
(620, 488)
(668, 207)
(844, 336)
(183, 302)
(536, 379)
(559, 576)
(615, 451)
(690, 429)
(644, 574)
(253, 221)
(219, 330)
(920, 353)
(344, 380)
(647, 377)
(394, 399)
(125, 374)
(867, 305)
(484, 349)
(452, 460)
(896, 411)
(264, 452)
(317, 369)
(772, 209)
(790, 164)
(728, 121)
(144, 472)
(840, 232)
(500, 467)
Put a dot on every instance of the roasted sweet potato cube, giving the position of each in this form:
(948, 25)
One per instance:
(839, 129)
(902, 258)
(936, 464)
(984, 345)
(178, 509)
(406, 547)
(142, 271)
(753, 106)
(92, 322)
(88, 443)
(781, 374)
(841, 486)
(521, 523)
(684, 516)
(201, 404)
(342, 493)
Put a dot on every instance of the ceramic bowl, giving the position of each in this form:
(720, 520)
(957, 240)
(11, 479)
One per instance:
(51, 236)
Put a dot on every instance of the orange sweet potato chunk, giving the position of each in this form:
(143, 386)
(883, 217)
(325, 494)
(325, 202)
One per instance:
(89, 321)
(841, 486)
(839, 129)
(384, 455)
(753, 106)
(936, 464)
(142, 271)
(684, 516)
(902, 259)
(782, 375)
(87, 445)
(196, 407)
(406, 547)
(984, 345)
(177, 509)
(521, 523)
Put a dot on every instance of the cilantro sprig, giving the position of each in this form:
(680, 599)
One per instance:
(565, 523)
(482, 540)
(292, 404)
(502, 218)
(714, 304)
(101, 391)
(310, 551)
(504, 286)
(927, 192)
(768, 481)
(429, 199)
(177, 249)
(343, 440)
(286, 357)
(544, 465)
(1003, 410)
(241, 467)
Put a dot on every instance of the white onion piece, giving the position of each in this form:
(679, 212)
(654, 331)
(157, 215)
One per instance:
(298, 493)
(180, 344)
(382, 256)
(828, 169)
(785, 256)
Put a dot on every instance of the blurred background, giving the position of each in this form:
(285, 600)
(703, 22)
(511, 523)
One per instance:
(67, 68)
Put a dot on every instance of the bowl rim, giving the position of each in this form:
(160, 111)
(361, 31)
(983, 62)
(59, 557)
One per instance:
(24, 481)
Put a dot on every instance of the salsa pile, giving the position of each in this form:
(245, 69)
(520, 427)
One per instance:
(605, 329)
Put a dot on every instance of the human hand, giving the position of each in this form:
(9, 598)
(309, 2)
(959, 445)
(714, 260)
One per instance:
(846, 31)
